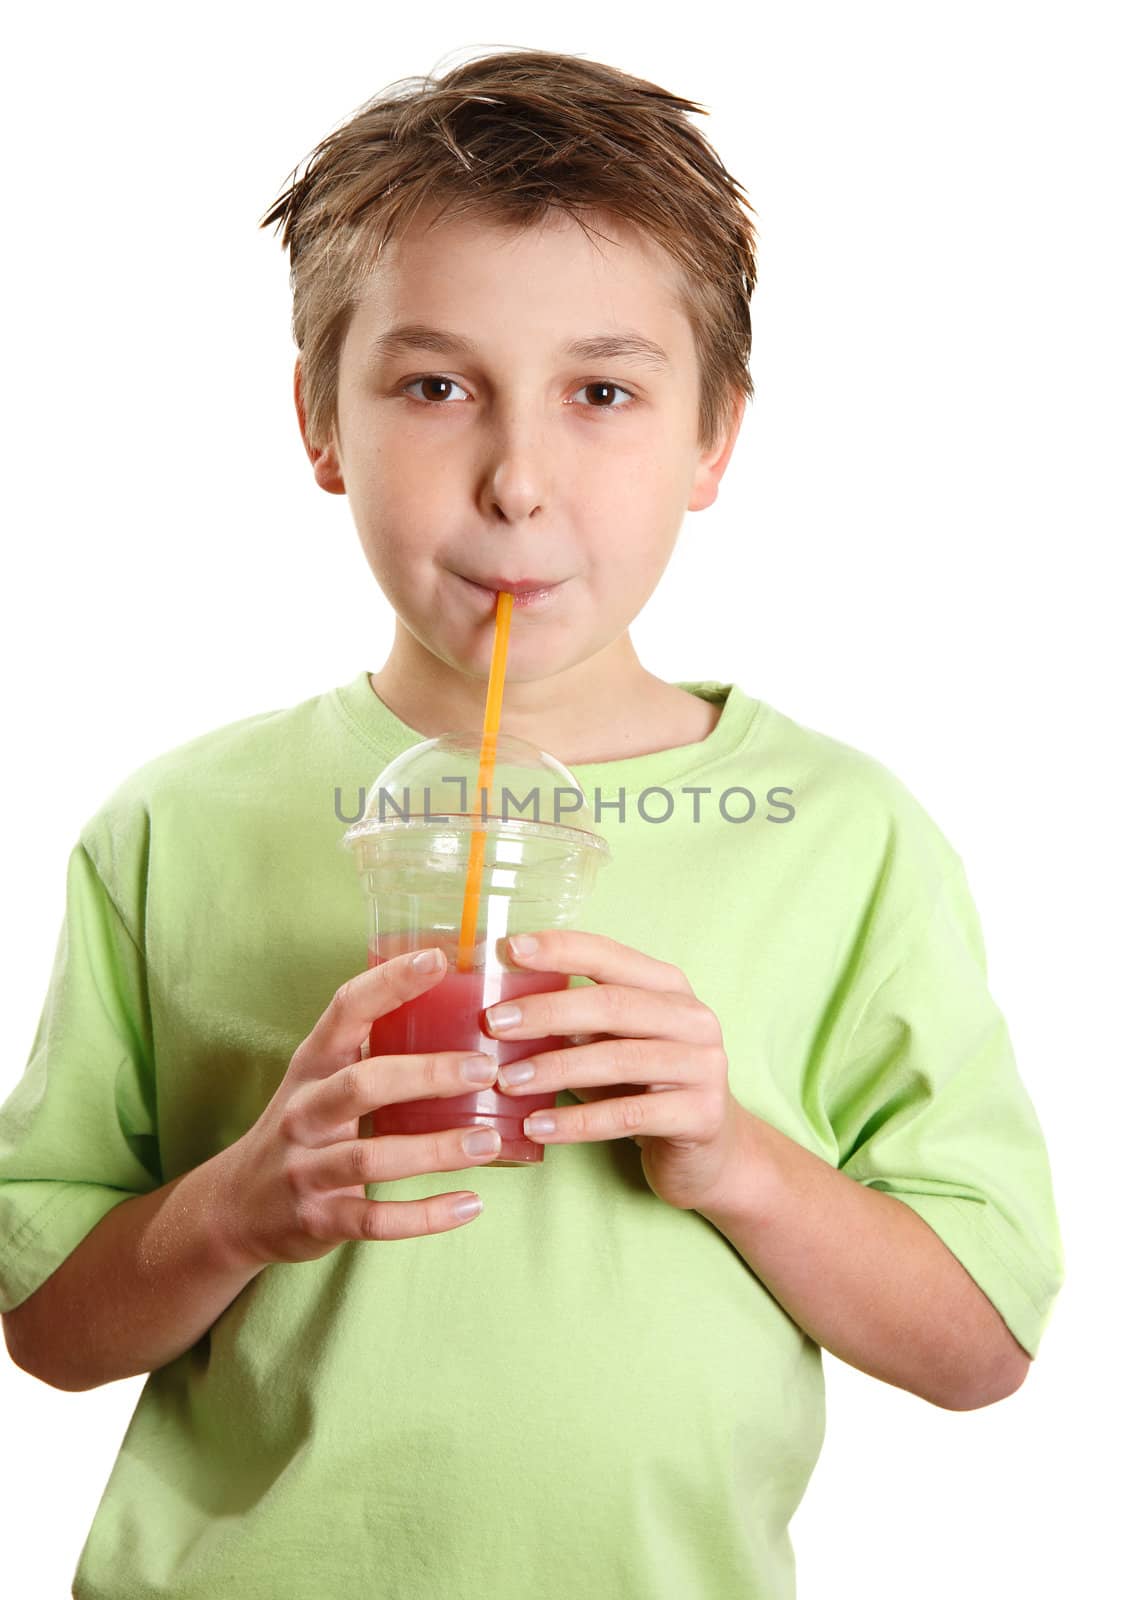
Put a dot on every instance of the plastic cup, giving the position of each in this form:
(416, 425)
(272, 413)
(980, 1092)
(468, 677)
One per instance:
(411, 848)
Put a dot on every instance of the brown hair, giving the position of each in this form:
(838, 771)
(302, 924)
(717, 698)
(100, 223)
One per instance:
(504, 138)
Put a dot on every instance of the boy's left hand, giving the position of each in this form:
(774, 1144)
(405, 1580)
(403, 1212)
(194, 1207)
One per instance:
(638, 1023)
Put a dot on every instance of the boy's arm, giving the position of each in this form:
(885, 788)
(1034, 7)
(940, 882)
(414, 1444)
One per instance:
(143, 1286)
(864, 1275)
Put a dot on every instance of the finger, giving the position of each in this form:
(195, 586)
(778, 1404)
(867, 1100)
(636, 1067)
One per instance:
(671, 1115)
(363, 1086)
(605, 1008)
(593, 955)
(395, 1219)
(336, 1040)
(387, 1156)
(659, 1063)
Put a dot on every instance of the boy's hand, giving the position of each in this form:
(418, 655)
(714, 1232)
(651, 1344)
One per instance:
(298, 1176)
(638, 1023)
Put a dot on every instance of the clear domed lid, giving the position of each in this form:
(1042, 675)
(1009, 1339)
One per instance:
(434, 783)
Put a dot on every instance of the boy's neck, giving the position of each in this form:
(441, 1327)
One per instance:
(605, 709)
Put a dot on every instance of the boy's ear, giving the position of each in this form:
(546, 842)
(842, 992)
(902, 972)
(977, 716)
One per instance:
(711, 466)
(324, 460)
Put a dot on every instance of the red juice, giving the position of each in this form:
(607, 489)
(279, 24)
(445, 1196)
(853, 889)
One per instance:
(449, 1017)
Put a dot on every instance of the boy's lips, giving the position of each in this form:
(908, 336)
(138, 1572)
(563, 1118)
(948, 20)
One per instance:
(526, 591)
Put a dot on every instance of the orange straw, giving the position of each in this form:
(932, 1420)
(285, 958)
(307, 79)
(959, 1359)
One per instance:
(491, 715)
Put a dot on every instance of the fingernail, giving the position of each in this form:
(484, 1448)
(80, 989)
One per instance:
(523, 944)
(426, 961)
(479, 1069)
(516, 1072)
(504, 1016)
(484, 1141)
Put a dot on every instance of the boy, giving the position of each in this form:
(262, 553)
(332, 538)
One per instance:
(790, 1115)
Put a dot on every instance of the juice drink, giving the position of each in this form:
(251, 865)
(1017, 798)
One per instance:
(449, 1017)
(417, 850)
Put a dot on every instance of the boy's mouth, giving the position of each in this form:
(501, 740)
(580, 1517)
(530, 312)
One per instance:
(526, 591)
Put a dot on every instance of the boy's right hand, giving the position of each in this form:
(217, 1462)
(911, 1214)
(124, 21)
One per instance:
(298, 1175)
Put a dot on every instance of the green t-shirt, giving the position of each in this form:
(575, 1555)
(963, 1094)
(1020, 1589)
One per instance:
(583, 1391)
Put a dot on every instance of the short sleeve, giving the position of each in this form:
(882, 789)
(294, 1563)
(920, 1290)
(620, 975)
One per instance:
(78, 1134)
(927, 1104)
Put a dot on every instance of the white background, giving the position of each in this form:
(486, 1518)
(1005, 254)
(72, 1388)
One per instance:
(912, 550)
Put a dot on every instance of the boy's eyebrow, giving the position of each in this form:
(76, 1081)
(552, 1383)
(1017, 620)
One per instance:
(598, 347)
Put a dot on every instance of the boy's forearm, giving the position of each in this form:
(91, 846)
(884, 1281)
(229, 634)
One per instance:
(142, 1287)
(864, 1275)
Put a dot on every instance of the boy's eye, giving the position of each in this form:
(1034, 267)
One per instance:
(606, 383)
(438, 381)
(431, 378)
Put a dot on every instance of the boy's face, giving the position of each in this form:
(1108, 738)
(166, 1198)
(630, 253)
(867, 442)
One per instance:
(519, 461)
